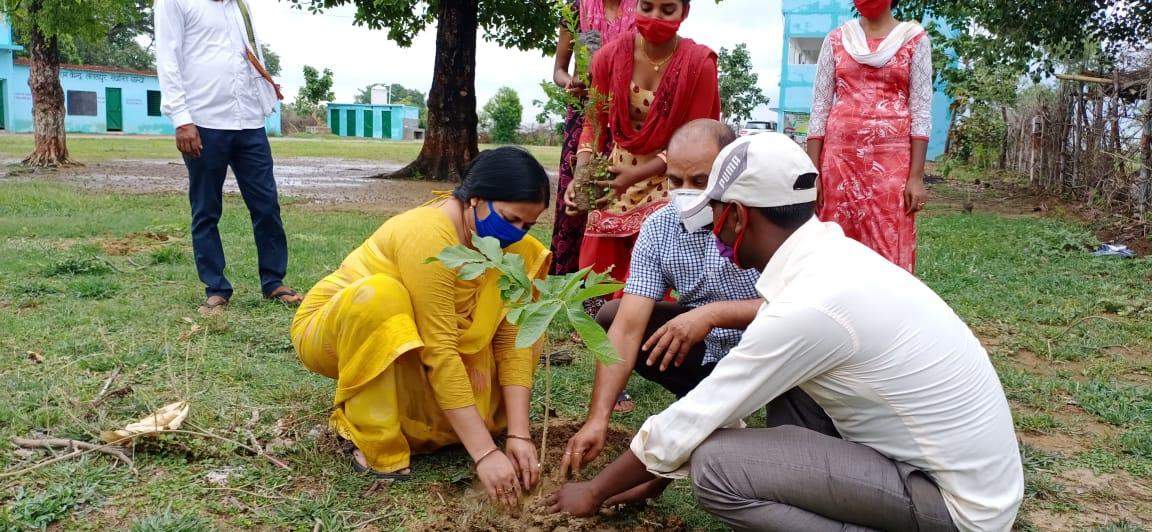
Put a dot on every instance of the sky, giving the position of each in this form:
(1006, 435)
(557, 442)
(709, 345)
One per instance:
(359, 56)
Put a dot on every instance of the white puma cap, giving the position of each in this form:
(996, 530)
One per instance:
(765, 170)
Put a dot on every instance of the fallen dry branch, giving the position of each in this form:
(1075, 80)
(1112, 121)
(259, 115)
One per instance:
(77, 447)
(257, 452)
(1073, 326)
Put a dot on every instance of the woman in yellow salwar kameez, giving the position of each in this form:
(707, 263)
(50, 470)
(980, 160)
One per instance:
(421, 358)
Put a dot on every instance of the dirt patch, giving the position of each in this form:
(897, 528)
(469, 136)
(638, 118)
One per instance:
(472, 511)
(1005, 196)
(135, 243)
(1103, 498)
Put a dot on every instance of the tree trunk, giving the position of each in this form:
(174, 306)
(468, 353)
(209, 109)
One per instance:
(47, 97)
(1002, 164)
(450, 141)
(950, 139)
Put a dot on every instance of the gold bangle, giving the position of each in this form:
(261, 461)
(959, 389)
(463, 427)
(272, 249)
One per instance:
(515, 437)
(486, 455)
(585, 150)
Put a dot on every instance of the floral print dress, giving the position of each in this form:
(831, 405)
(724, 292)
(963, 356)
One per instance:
(867, 118)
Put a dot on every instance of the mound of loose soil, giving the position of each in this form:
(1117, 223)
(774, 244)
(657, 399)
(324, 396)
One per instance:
(136, 242)
(473, 512)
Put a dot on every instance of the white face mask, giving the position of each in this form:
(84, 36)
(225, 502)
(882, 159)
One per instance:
(684, 198)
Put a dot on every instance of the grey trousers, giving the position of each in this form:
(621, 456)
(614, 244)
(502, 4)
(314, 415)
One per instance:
(800, 476)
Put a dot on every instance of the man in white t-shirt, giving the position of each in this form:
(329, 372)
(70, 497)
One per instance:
(922, 438)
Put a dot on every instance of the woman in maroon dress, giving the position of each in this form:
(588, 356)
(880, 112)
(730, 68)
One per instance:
(601, 21)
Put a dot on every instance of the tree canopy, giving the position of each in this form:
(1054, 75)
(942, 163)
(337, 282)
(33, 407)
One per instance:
(73, 22)
(317, 88)
(271, 60)
(740, 93)
(502, 116)
(521, 24)
(1033, 36)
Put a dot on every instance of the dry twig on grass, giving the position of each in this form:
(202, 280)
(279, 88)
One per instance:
(1073, 326)
(77, 447)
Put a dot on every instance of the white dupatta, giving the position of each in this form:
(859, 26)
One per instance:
(856, 42)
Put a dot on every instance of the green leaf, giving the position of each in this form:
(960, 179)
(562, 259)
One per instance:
(514, 315)
(534, 322)
(572, 283)
(596, 285)
(490, 247)
(472, 271)
(456, 256)
(592, 334)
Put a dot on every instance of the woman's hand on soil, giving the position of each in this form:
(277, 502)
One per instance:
(575, 498)
(583, 448)
(915, 195)
(498, 476)
(522, 454)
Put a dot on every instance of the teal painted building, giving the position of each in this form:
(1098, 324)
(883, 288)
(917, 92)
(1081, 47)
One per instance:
(381, 121)
(806, 23)
(97, 99)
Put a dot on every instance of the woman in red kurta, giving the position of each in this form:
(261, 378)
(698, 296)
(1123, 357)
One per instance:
(868, 134)
(656, 82)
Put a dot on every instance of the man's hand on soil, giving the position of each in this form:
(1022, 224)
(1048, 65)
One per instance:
(642, 493)
(583, 448)
(575, 498)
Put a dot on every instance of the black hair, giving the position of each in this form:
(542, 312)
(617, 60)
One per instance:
(507, 173)
(895, 3)
(789, 216)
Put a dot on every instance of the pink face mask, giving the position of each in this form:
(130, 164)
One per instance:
(873, 8)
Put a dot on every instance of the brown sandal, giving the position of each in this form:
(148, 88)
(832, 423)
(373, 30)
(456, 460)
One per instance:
(213, 308)
(285, 295)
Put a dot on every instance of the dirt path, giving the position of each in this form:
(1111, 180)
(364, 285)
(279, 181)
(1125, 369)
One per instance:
(320, 181)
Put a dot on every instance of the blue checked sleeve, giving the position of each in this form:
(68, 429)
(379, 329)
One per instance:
(646, 278)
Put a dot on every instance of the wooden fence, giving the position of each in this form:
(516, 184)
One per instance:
(1090, 139)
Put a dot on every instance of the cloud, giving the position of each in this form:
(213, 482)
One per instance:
(359, 56)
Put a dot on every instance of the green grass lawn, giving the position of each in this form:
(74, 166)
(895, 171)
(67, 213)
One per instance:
(99, 149)
(94, 285)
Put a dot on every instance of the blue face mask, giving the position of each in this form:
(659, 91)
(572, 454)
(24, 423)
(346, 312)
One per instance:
(497, 227)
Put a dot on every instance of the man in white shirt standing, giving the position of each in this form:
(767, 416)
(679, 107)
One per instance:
(922, 437)
(217, 93)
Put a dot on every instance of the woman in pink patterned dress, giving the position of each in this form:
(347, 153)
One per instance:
(868, 134)
(601, 21)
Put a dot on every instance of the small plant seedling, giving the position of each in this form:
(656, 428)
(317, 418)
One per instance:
(536, 304)
(586, 190)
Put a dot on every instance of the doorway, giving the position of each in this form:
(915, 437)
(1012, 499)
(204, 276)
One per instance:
(369, 127)
(3, 98)
(114, 109)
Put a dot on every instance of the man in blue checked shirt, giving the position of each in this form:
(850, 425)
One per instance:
(675, 344)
